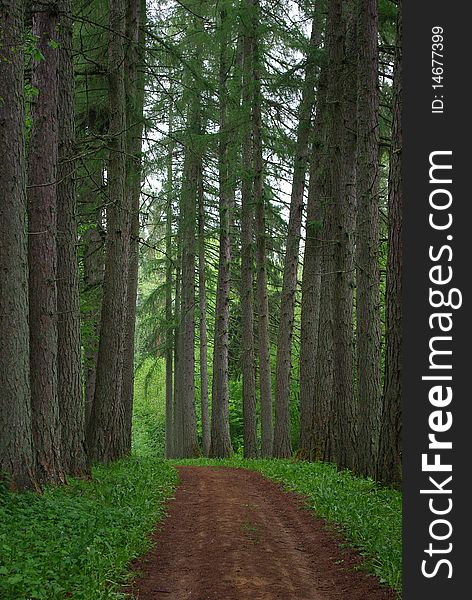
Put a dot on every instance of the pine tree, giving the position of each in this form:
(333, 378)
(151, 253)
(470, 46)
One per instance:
(389, 468)
(42, 248)
(16, 451)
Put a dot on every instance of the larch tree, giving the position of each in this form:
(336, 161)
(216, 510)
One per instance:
(389, 465)
(106, 424)
(259, 199)
(311, 276)
(169, 313)
(134, 89)
(42, 246)
(202, 306)
(368, 334)
(343, 415)
(247, 251)
(71, 405)
(188, 218)
(282, 441)
(220, 437)
(16, 451)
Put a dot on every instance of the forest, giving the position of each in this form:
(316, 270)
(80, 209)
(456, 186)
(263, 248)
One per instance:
(200, 292)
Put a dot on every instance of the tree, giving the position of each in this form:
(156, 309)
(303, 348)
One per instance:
(206, 433)
(247, 253)
(169, 283)
(134, 89)
(367, 243)
(106, 425)
(188, 217)
(220, 438)
(71, 405)
(42, 248)
(282, 441)
(389, 468)
(311, 277)
(16, 451)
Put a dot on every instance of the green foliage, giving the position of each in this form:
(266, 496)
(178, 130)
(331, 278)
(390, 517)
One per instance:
(368, 515)
(77, 540)
(149, 408)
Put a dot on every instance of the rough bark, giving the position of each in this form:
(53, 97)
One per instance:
(265, 375)
(177, 412)
(42, 252)
(187, 315)
(134, 88)
(16, 452)
(202, 305)
(282, 440)
(169, 281)
(343, 430)
(93, 271)
(220, 437)
(188, 218)
(106, 424)
(71, 403)
(247, 262)
(311, 278)
(389, 467)
(333, 395)
(367, 242)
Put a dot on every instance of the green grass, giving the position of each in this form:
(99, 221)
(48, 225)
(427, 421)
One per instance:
(77, 540)
(368, 515)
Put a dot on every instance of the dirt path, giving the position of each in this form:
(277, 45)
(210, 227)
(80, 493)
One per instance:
(231, 534)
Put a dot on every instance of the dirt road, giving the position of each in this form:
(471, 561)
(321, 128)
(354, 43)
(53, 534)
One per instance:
(231, 534)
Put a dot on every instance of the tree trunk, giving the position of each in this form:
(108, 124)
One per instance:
(368, 276)
(71, 404)
(106, 425)
(203, 319)
(16, 452)
(188, 218)
(343, 189)
(247, 261)
(177, 412)
(311, 279)
(220, 436)
(282, 440)
(169, 281)
(134, 87)
(389, 467)
(42, 252)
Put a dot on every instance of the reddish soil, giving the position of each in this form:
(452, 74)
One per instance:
(231, 534)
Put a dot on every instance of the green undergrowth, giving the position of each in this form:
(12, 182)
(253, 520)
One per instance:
(77, 540)
(369, 516)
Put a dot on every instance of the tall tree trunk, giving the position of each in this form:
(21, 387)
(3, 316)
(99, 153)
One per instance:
(71, 403)
(134, 88)
(282, 440)
(188, 217)
(177, 412)
(389, 468)
(16, 452)
(187, 314)
(206, 437)
(42, 252)
(368, 276)
(170, 337)
(265, 375)
(93, 270)
(106, 424)
(247, 259)
(343, 189)
(220, 437)
(333, 394)
(311, 278)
